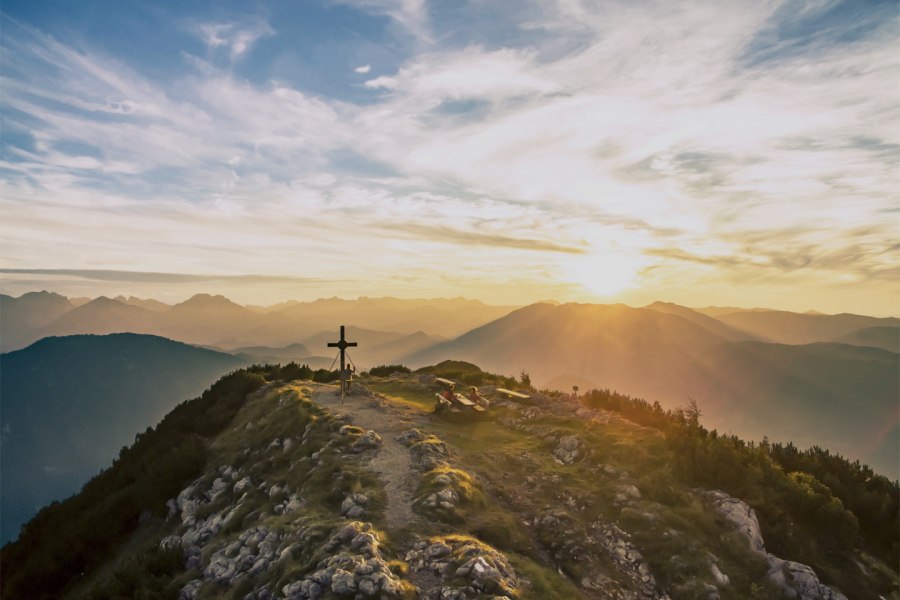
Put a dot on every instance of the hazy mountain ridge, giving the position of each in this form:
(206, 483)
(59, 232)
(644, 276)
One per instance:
(884, 337)
(795, 328)
(70, 404)
(22, 317)
(663, 351)
(279, 489)
(216, 321)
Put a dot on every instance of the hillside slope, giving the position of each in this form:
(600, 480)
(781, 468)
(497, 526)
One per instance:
(796, 328)
(70, 404)
(885, 337)
(840, 396)
(279, 489)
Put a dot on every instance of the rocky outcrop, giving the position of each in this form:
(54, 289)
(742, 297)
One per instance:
(569, 450)
(427, 451)
(465, 568)
(353, 505)
(602, 542)
(355, 567)
(367, 441)
(794, 579)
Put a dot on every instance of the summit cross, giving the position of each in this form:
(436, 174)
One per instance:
(343, 344)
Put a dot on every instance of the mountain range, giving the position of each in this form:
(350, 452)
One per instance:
(217, 321)
(806, 377)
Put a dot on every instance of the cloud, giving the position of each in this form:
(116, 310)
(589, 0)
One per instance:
(237, 38)
(412, 15)
(457, 237)
(148, 277)
(363, 69)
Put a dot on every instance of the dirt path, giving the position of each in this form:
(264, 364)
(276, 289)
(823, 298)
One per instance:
(392, 462)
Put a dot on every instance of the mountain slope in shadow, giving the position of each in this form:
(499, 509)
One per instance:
(70, 404)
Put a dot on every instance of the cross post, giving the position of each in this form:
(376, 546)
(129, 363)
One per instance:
(343, 344)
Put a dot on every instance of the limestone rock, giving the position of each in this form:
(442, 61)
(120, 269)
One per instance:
(741, 515)
(367, 441)
(484, 570)
(410, 437)
(627, 492)
(799, 581)
(569, 450)
(429, 453)
(241, 485)
(795, 580)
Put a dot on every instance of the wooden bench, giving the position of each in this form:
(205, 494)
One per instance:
(443, 382)
(512, 394)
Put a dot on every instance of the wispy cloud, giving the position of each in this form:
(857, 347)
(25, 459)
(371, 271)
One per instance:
(457, 237)
(412, 15)
(236, 38)
(149, 277)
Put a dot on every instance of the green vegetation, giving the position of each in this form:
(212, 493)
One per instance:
(813, 506)
(385, 370)
(293, 371)
(467, 373)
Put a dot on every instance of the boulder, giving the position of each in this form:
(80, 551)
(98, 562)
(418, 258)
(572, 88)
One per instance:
(367, 441)
(241, 485)
(569, 450)
(799, 581)
(741, 515)
(795, 580)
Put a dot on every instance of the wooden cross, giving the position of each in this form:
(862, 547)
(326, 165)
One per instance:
(343, 345)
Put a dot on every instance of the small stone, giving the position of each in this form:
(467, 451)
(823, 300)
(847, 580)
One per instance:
(241, 485)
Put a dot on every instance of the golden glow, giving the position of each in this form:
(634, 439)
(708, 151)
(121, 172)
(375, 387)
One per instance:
(603, 274)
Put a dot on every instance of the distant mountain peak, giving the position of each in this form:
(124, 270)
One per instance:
(207, 301)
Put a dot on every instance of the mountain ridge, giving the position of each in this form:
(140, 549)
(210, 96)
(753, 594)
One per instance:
(281, 488)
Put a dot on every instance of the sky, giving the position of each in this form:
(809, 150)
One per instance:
(704, 153)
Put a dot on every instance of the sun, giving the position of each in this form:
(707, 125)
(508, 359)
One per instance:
(603, 274)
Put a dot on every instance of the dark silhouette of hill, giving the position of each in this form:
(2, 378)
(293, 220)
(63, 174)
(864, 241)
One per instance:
(838, 395)
(886, 337)
(70, 403)
(796, 328)
(21, 317)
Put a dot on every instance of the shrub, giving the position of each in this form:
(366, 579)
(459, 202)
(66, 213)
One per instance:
(385, 370)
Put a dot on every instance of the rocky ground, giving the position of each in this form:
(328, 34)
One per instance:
(373, 497)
